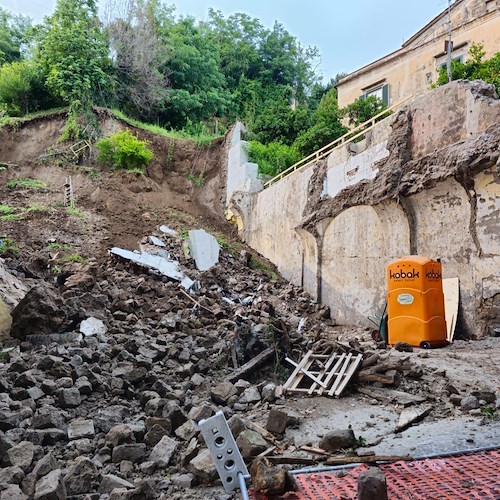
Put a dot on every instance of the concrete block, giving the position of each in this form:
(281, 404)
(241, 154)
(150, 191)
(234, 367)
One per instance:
(204, 249)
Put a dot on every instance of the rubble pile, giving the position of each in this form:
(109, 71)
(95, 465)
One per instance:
(115, 364)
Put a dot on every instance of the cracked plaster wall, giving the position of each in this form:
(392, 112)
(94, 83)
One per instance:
(437, 194)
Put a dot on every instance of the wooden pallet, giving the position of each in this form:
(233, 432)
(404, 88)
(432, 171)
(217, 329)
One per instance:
(322, 374)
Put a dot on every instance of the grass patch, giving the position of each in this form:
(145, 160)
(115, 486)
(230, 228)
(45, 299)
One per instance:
(197, 180)
(9, 217)
(74, 211)
(7, 244)
(59, 246)
(30, 184)
(8, 121)
(38, 209)
(6, 210)
(202, 139)
(73, 257)
(264, 267)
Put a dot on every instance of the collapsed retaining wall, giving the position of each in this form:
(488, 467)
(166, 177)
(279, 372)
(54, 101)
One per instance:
(424, 182)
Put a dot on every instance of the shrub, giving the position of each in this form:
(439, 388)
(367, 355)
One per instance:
(124, 150)
(273, 158)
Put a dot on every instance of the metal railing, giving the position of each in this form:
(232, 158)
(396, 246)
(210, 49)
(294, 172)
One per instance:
(347, 138)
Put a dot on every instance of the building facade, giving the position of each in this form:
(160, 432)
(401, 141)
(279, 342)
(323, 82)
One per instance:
(411, 70)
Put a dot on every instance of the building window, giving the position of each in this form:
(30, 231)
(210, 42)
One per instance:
(380, 91)
(458, 59)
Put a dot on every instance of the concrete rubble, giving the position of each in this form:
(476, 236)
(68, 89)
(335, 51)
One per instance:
(112, 412)
(204, 249)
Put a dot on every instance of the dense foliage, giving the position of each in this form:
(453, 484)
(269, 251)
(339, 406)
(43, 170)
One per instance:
(174, 71)
(123, 150)
(474, 68)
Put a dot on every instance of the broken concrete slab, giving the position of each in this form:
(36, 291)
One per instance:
(80, 428)
(390, 396)
(169, 268)
(411, 416)
(167, 230)
(156, 241)
(92, 326)
(204, 249)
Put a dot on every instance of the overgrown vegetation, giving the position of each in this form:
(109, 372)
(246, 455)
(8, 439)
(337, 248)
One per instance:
(124, 151)
(6, 245)
(474, 68)
(29, 184)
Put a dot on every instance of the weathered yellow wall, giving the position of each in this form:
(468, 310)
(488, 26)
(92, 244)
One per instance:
(410, 70)
(342, 259)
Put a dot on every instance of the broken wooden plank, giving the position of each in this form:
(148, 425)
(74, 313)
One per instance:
(293, 460)
(318, 451)
(306, 372)
(451, 293)
(251, 365)
(294, 374)
(340, 375)
(348, 374)
(369, 459)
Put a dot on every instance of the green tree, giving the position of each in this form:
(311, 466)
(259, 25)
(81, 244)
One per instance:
(362, 109)
(474, 68)
(197, 88)
(13, 34)
(73, 53)
(326, 126)
(21, 87)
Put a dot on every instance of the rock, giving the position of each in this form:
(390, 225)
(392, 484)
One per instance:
(266, 479)
(222, 392)
(133, 452)
(120, 434)
(50, 487)
(269, 393)
(154, 435)
(92, 326)
(8, 420)
(338, 439)
(187, 430)
(21, 455)
(109, 482)
(372, 484)
(35, 393)
(11, 475)
(162, 453)
(183, 480)
(251, 444)
(174, 413)
(42, 310)
(13, 492)
(455, 399)
(203, 412)
(277, 421)
(81, 429)
(451, 389)
(69, 398)
(250, 396)
(236, 425)
(203, 468)
(83, 385)
(469, 403)
(410, 416)
(403, 347)
(106, 418)
(487, 396)
(80, 477)
(46, 464)
(5, 445)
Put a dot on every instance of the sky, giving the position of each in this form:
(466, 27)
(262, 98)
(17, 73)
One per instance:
(349, 34)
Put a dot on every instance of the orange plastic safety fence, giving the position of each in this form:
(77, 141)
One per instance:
(469, 476)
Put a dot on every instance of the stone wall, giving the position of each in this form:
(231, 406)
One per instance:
(429, 184)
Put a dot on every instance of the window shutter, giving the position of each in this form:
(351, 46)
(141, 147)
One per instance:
(385, 94)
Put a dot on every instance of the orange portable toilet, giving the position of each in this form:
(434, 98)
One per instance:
(415, 302)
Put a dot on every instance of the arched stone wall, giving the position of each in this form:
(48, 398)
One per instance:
(357, 246)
